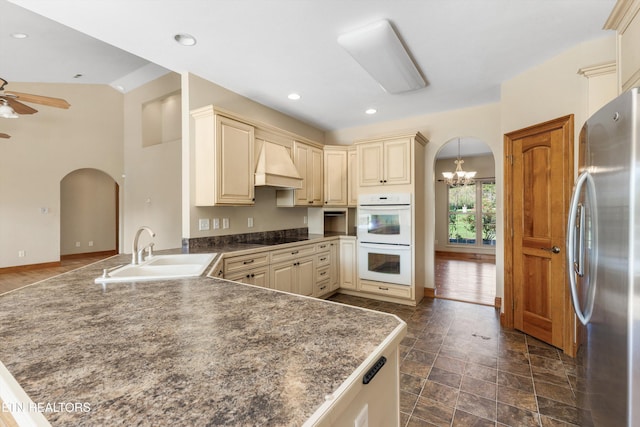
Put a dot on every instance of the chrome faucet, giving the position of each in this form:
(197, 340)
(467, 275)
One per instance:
(134, 249)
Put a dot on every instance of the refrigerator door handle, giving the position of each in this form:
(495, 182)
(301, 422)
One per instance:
(576, 266)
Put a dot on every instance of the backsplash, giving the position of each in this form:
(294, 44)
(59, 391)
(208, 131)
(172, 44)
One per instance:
(199, 243)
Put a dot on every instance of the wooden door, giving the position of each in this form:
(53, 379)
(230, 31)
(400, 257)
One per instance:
(538, 184)
(283, 277)
(234, 162)
(352, 178)
(315, 174)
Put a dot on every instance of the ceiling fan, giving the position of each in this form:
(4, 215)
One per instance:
(11, 103)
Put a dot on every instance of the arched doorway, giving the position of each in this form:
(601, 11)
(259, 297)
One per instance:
(88, 214)
(465, 223)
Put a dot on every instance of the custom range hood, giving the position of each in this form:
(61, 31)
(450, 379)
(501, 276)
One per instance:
(275, 168)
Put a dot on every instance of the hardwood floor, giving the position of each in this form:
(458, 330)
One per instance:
(461, 278)
(19, 277)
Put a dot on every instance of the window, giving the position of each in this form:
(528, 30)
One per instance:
(472, 214)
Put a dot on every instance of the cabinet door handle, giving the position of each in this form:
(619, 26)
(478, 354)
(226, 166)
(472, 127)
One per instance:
(253, 275)
(310, 201)
(323, 273)
(294, 252)
(248, 262)
(383, 289)
(323, 259)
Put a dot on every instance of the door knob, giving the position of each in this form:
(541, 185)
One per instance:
(553, 250)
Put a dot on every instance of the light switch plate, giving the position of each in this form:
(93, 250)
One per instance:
(225, 222)
(216, 223)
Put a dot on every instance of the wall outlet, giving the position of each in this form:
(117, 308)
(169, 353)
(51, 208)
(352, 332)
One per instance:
(203, 224)
(225, 222)
(77, 244)
(22, 254)
(250, 222)
(90, 243)
(216, 223)
(305, 220)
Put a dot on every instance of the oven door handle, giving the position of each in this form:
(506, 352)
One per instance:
(385, 246)
(376, 208)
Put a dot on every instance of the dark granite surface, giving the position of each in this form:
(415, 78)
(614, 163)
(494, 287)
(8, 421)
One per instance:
(181, 352)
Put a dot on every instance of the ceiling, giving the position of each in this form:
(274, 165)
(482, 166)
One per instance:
(266, 49)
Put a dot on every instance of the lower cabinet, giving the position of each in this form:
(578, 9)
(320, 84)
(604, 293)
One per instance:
(307, 269)
(348, 264)
(295, 276)
(258, 277)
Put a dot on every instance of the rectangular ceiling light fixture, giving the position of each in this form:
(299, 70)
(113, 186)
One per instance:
(380, 52)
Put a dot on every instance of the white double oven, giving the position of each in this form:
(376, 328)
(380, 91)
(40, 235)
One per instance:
(384, 238)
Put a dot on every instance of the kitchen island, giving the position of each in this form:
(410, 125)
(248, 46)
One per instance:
(198, 351)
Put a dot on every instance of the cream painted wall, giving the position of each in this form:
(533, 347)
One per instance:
(485, 168)
(266, 216)
(152, 187)
(554, 88)
(44, 148)
(87, 212)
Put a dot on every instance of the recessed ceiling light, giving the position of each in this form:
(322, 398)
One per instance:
(19, 35)
(294, 96)
(371, 111)
(185, 39)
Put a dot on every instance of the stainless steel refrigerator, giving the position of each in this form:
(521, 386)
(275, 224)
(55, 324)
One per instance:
(603, 258)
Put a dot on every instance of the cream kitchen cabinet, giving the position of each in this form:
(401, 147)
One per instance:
(625, 19)
(384, 162)
(295, 276)
(336, 183)
(352, 177)
(308, 160)
(256, 276)
(348, 263)
(327, 273)
(224, 159)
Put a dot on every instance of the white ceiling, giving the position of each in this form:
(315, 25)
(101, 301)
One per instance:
(266, 49)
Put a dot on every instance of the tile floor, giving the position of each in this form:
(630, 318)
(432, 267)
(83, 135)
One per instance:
(460, 368)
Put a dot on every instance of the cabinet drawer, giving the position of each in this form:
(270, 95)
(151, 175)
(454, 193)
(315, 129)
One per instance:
(386, 289)
(294, 252)
(322, 273)
(321, 288)
(323, 247)
(242, 263)
(323, 259)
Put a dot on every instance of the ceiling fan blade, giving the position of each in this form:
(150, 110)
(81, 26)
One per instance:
(19, 107)
(4, 135)
(39, 99)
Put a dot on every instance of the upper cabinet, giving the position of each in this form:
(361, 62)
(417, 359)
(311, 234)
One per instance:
(224, 159)
(308, 160)
(386, 162)
(625, 19)
(335, 176)
(352, 180)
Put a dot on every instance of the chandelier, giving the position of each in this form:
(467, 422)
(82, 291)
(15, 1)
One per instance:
(459, 177)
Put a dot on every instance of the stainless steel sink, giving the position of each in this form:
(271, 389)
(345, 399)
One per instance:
(160, 267)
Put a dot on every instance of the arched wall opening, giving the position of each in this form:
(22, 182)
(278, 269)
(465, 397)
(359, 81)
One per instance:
(465, 223)
(89, 213)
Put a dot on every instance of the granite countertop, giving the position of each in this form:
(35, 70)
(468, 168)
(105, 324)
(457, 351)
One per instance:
(197, 351)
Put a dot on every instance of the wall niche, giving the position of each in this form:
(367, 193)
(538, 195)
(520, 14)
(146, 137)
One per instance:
(162, 120)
